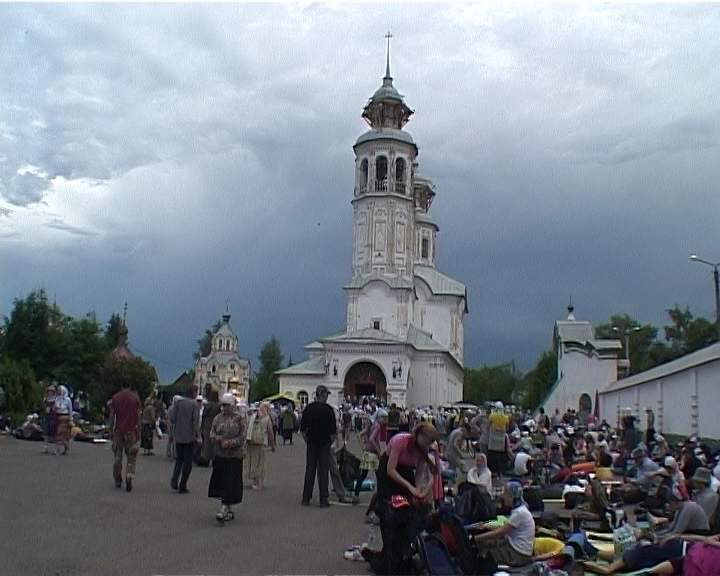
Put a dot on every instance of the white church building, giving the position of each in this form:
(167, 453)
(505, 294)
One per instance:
(223, 369)
(586, 365)
(403, 337)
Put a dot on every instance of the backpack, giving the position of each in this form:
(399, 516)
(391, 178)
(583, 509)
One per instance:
(474, 505)
(435, 555)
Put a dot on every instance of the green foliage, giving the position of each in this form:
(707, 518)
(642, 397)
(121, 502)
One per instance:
(22, 392)
(540, 379)
(116, 373)
(205, 343)
(39, 339)
(115, 332)
(684, 334)
(35, 332)
(489, 383)
(271, 360)
(645, 351)
(687, 334)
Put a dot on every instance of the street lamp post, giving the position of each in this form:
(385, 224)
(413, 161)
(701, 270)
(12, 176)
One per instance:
(625, 333)
(716, 278)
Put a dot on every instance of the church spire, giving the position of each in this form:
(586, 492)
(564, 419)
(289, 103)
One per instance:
(388, 36)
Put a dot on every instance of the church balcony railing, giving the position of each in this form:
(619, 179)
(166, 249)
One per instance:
(362, 189)
(400, 188)
(381, 185)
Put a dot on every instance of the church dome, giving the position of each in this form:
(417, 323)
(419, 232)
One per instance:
(386, 134)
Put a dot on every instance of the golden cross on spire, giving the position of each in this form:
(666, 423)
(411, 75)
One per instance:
(387, 68)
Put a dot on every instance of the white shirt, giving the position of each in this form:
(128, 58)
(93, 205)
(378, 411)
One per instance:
(521, 461)
(523, 534)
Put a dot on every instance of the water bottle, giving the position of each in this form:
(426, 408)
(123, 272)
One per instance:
(374, 537)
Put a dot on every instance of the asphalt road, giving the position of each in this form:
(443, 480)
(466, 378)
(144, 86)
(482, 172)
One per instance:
(63, 516)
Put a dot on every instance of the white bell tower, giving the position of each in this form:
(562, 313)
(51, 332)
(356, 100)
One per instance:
(383, 214)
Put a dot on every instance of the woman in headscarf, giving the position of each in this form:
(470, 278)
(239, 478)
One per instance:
(227, 433)
(287, 423)
(480, 474)
(63, 413)
(210, 410)
(148, 427)
(259, 435)
(512, 543)
(374, 446)
(170, 449)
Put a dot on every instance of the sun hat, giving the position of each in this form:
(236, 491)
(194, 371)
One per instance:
(499, 405)
(228, 399)
(670, 462)
(701, 476)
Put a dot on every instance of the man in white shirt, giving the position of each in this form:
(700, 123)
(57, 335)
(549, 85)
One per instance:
(522, 461)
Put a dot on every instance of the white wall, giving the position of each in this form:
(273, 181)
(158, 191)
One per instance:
(434, 314)
(579, 374)
(436, 380)
(378, 300)
(673, 399)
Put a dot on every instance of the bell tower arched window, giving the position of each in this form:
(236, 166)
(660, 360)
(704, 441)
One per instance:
(400, 176)
(227, 344)
(363, 176)
(220, 342)
(381, 174)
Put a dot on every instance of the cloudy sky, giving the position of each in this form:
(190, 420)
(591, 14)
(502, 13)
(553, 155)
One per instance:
(181, 156)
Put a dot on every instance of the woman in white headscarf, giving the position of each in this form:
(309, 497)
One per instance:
(260, 435)
(228, 436)
(63, 413)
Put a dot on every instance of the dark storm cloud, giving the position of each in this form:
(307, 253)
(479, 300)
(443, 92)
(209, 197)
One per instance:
(180, 156)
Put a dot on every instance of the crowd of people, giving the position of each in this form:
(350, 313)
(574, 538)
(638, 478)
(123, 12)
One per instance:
(490, 487)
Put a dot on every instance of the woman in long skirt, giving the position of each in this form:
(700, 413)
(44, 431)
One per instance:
(259, 436)
(228, 436)
(63, 412)
(148, 427)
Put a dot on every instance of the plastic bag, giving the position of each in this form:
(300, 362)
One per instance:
(623, 538)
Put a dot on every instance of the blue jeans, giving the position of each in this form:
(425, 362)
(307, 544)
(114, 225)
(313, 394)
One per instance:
(183, 463)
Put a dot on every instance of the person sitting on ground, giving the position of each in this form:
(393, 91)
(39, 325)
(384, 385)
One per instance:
(522, 463)
(705, 495)
(646, 469)
(459, 452)
(480, 474)
(700, 558)
(512, 543)
(688, 516)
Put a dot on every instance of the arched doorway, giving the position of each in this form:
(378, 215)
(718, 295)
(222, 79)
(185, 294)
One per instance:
(585, 404)
(365, 379)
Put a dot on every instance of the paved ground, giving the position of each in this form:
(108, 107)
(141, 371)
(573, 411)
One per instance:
(63, 516)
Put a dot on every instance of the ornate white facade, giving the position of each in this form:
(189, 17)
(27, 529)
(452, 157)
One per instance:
(403, 338)
(223, 368)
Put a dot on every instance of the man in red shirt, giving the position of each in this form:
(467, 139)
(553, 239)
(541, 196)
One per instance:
(125, 409)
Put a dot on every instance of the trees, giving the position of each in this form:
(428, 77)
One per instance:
(118, 372)
(35, 332)
(22, 392)
(41, 344)
(540, 379)
(205, 343)
(686, 333)
(644, 350)
(491, 383)
(271, 360)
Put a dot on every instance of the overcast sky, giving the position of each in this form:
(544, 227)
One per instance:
(180, 156)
